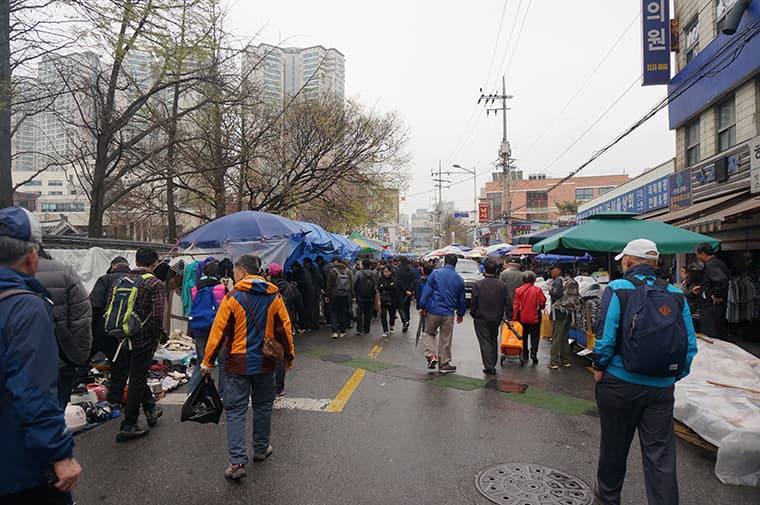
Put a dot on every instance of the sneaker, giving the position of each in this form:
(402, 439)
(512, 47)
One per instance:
(385, 334)
(257, 456)
(447, 368)
(566, 365)
(335, 335)
(553, 367)
(489, 371)
(391, 329)
(535, 360)
(432, 362)
(281, 394)
(153, 415)
(234, 472)
(405, 328)
(130, 432)
(342, 334)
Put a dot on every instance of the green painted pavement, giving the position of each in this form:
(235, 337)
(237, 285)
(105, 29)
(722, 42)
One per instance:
(554, 402)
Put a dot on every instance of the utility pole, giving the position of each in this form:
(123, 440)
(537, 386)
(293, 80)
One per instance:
(439, 181)
(504, 152)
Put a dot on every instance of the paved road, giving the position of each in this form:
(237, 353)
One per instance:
(403, 437)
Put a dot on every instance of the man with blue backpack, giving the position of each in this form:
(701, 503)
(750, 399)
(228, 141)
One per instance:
(645, 343)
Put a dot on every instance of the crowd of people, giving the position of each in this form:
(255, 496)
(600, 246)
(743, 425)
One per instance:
(48, 319)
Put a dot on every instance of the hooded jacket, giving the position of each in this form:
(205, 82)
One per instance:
(72, 314)
(31, 421)
(252, 310)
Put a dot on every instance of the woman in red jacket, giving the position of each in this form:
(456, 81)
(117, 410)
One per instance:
(529, 303)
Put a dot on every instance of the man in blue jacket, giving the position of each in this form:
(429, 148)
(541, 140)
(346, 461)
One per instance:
(627, 400)
(36, 463)
(443, 294)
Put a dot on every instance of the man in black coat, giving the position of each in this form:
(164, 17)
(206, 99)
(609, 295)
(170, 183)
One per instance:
(405, 283)
(490, 305)
(714, 292)
(100, 296)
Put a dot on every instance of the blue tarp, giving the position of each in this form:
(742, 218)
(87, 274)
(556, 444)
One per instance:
(246, 226)
(559, 258)
(320, 242)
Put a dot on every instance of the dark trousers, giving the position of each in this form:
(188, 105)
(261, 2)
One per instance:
(364, 315)
(134, 365)
(40, 495)
(531, 335)
(339, 314)
(67, 375)
(623, 408)
(403, 307)
(387, 310)
(488, 340)
(279, 377)
(309, 307)
(712, 321)
(314, 306)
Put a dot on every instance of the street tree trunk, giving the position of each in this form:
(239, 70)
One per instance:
(6, 177)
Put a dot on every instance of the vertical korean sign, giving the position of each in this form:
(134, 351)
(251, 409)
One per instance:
(754, 164)
(656, 24)
(483, 212)
(679, 186)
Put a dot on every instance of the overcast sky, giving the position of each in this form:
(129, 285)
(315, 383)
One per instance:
(428, 60)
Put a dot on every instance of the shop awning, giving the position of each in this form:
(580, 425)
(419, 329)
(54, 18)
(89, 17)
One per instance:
(711, 222)
(694, 211)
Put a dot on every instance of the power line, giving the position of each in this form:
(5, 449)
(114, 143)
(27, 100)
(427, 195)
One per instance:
(496, 44)
(519, 33)
(509, 39)
(583, 86)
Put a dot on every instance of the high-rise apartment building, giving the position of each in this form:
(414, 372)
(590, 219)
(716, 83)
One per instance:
(286, 72)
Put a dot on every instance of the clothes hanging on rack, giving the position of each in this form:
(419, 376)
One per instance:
(188, 282)
(740, 305)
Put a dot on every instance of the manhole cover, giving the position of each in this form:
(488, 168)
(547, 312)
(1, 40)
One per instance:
(528, 484)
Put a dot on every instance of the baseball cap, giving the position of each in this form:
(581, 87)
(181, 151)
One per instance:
(19, 223)
(274, 269)
(640, 248)
(119, 259)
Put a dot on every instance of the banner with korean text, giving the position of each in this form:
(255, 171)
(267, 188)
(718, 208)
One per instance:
(656, 26)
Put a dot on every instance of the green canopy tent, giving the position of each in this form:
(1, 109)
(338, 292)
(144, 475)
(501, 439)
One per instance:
(610, 232)
(368, 245)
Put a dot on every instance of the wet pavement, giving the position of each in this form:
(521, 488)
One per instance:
(401, 435)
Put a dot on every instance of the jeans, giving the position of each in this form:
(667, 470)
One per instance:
(200, 351)
(624, 408)
(339, 314)
(364, 315)
(237, 389)
(134, 365)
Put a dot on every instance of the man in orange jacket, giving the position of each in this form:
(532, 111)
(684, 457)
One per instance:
(252, 311)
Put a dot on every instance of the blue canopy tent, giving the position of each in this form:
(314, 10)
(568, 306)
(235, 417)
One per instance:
(319, 242)
(269, 236)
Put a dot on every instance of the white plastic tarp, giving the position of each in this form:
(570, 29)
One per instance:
(270, 251)
(90, 263)
(728, 418)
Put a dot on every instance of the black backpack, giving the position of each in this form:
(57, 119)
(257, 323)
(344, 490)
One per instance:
(366, 286)
(652, 337)
(343, 284)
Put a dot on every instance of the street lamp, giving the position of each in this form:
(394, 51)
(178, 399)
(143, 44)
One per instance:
(474, 188)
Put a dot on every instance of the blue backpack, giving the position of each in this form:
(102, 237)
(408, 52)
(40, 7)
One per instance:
(652, 337)
(203, 310)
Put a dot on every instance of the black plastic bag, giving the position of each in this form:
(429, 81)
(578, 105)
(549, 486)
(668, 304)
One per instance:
(203, 405)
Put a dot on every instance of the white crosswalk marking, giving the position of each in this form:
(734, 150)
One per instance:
(285, 403)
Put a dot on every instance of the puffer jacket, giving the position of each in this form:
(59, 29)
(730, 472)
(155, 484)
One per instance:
(72, 313)
(31, 421)
(530, 300)
(255, 297)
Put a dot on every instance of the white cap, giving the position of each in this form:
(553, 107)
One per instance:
(640, 248)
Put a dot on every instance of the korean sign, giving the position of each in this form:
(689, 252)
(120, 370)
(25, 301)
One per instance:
(653, 195)
(656, 26)
(679, 185)
(483, 212)
(754, 164)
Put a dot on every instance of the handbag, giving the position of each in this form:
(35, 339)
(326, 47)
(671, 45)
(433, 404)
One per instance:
(270, 348)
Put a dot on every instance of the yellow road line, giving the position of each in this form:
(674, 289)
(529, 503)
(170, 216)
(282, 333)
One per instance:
(375, 351)
(345, 393)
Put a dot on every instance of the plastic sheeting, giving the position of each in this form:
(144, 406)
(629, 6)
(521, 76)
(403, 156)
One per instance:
(728, 418)
(90, 263)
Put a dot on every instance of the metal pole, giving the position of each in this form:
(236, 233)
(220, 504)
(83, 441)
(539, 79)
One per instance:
(505, 160)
